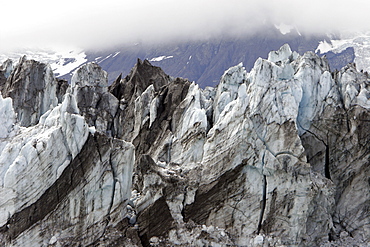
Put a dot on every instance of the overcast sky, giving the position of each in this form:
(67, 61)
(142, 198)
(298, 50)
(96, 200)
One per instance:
(93, 24)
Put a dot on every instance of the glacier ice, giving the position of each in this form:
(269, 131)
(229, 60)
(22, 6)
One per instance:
(274, 156)
(36, 145)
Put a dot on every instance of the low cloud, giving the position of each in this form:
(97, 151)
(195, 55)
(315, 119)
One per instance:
(101, 24)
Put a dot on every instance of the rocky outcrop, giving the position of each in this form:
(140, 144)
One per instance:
(278, 156)
(32, 86)
(339, 60)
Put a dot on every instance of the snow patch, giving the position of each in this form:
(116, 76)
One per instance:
(335, 46)
(284, 28)
(115, 54)
(160, 58)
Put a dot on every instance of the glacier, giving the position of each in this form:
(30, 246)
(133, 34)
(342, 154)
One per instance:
(274, 156)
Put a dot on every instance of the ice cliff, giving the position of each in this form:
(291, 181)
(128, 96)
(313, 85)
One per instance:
(277, 156)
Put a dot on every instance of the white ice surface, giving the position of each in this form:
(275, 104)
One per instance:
(32, 160)
(7, 117)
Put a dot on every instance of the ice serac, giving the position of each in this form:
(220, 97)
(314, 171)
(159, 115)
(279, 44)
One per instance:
(282, 54)
(227, 89)
(30, 161)
(254, 154)
(32, 86)
(84, 204)
(7, 117)
(60, 182)
(337, 145)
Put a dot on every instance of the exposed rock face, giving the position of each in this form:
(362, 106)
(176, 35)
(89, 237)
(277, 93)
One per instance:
(278, 156)
(32, 86)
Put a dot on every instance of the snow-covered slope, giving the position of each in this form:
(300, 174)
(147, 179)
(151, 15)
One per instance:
(275, 156)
